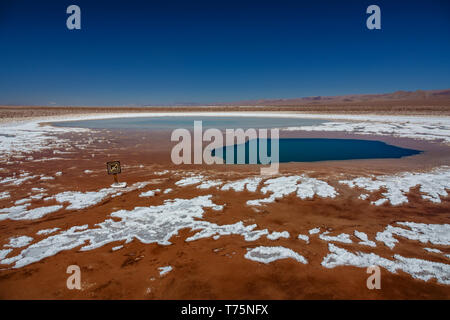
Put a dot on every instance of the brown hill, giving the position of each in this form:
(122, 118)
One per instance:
(406, 96)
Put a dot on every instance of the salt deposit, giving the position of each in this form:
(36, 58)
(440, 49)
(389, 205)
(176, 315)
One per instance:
(417, 268)
(270, 254)
(433, 185)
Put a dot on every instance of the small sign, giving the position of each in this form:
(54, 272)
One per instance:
(113, 167)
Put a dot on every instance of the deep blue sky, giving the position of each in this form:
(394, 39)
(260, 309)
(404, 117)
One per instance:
(165, 52)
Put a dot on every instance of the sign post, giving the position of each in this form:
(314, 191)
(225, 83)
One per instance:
(114, 168)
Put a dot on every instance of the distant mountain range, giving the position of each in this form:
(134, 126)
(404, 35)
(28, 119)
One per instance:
(418, 95)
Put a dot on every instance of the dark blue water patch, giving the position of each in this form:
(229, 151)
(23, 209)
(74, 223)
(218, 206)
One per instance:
(311, 150)
(174, 122)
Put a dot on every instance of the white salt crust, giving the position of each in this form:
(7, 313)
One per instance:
(270, 254)
(417, 268)
(149, 193)
(19, 242)
(305, 188)
(153, 224)
(188, 181)
(81, 200)
(277, 235)
(251, 184)
(47, 231)
(22, 201)
(433, 185)
(364, 239)
(423, 128)
(4, 195)
(164, 270)
(438, 234)
(17, 179)
(303, 237)
(4, 253)
(209, 184)
(343, 237)
(20, 212)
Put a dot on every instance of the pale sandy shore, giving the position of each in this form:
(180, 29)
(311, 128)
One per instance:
(401, 107)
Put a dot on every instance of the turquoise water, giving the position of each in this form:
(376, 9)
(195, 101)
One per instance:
(174, 122)
(311, 150)
(290, 150)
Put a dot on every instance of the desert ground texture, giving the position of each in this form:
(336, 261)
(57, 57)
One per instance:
(224, 231)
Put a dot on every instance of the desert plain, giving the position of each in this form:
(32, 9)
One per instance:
(224, 231)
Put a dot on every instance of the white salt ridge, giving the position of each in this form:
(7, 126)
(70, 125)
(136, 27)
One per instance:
(17, 180)
(21, 213)
(149, 193)
(438, 234)
(270, 254)
(363, 196)
(38, 196)
(303, 237)
(4, 195)
(81, 200)
(188, 181)
(160, 173)
(116, 248)
(343, 237)
(314, 231)
(44, 178)
(153, 224)
(164, 270)
(47, 231)
(433, 185)
(168, 190)
(364, 239)
(87, 171)
(4, 253)
(432, 250)
(19, 242)
(213, 230)
(209, 184)
(276, 235)
(417, 268)
(251, 184)
(379, 202)
(283, 186)
(22, 201)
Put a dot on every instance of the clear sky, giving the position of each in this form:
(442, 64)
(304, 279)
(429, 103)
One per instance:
(173, 52)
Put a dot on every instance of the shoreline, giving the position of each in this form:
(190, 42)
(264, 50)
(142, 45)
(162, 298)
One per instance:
(15, 113)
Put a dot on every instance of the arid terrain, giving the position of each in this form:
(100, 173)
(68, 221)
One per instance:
(225, 231)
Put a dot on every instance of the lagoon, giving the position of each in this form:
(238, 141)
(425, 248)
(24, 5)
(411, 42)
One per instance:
(321, 149)
(174, 122)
